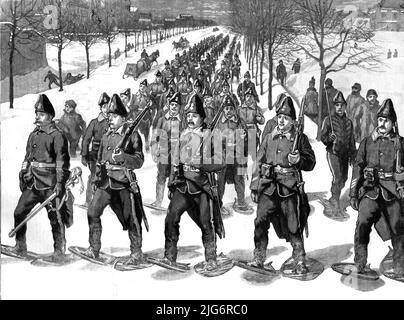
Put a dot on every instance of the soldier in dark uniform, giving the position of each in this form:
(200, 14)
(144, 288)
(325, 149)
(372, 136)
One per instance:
(377, 189)
(202, 77)
(164, 102)
(190, 188)
(141, 100)
(216, 86)
(184, 87)
(198, 88)
(274, 187)
(235, 170)
(225, 92)
(341, 149)
(273, 122)
(165, 143)
(93, 135)
(251, 116)
(225, 70)
(156, 89)
(167, 73)
(208, 105)
(45, 170)
(247, 84)
(112, 183)
(127, 99)
(235, 67)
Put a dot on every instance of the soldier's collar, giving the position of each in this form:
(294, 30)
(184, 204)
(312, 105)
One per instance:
(48, 128)
(376, 135)
(233, 118)
(168, 116)
(288, 134)
(119, 131)
(250, 105)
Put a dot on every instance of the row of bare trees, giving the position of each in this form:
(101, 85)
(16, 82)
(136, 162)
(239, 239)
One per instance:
(58, 23)
(276, 29)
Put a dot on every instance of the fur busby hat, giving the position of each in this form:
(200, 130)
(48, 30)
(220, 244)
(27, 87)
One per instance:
(158, 73)
(116, 106)
(387, 111)
(328, 82)
(247, 74)
(195, 105)
(144, 83)
(44, 105)
(197, 83)
(125, 92)
(339, 98)
(287, 108)
(371, 92)
(357, 86)
(104, 99)
(71, 103)
(176, 97)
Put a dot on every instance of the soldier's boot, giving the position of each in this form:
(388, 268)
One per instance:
(95, 241)
(241, 205)
(136, 254)
(159, 194)
(398, 256)
(259, 258)
(361, 257)
(20, 247)
(298, 254)
(210, 255)
(170, 252)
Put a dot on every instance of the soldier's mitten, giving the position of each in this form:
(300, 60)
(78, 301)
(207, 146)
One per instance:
(84, 161)
(354, 203)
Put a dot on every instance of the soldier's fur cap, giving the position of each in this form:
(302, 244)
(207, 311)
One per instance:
(247, 74)
(195, 105)
(371, 92)
(116, 106)
(71, 103)
(287, 108)
(387, 110)
(44, 105)
(104, 99)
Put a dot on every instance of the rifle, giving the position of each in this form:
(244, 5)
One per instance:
(300, 182)
(73, 179)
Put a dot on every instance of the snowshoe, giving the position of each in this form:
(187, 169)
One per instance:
(82, 206)
(352, 270)
(55, 260)
(207, 269)
(266, 269)
(305, 270)
(103, 259)
(242, 208)
(167, 264)
(130, 264)
(12, 252)
(333, 212)
(387, 269)
(154, 207)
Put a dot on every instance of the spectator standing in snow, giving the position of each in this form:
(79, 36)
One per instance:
(311, 100)
(369, 120)
(281, 73)
(389, 54)
(52, 79)
(356, 106)
(395, 53)
(296, 66)
(328, 98)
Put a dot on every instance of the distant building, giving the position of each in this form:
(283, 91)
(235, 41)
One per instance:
(388, 15)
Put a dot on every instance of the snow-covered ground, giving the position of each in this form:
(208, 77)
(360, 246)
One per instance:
(329, 241)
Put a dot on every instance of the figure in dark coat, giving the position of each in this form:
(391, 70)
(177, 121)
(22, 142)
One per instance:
(53, 79)
(377, 189)
(45, 170)
(281, 73)
(275, 187)
(244, 86)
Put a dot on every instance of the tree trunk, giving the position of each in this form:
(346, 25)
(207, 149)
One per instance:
(11, 75)
(60, 48)
(126, 44)
(142, 39)
(87, 47)
(320, 102)
(256, 61)
(262, 66)
(270, 78)
(109, 52)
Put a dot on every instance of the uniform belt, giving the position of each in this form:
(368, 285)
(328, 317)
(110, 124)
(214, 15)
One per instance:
(190, 168)
(285, 171)
(114, 167)
(251, 126)
(385, 175)
(35, 164)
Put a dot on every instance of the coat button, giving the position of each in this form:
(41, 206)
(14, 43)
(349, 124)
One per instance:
(109, 148)
(34, 146)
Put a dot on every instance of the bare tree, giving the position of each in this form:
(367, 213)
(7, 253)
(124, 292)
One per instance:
(20, 18)
(333, 42)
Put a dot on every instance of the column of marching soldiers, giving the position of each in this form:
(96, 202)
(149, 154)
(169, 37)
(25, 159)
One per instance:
(201, 136)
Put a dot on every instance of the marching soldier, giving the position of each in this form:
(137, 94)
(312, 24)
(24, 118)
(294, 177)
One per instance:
(127, 99)
(93, 135)
(275, 187)
(377, 190)
(140, 101)
(73, 126)
(235, 67)
(202, 77)
(226, 92)
(167, 72)
(273, 122)
(198, 88)
(337, 135)
(156, 88)
(235, 169)
(251, 116)
(184, 87)
(216, 86)
(45, 170)
(223, 69)
(165, 144)
(209, 106)
(244, 86)
(164, 101)
(113, 184)
(191, 189)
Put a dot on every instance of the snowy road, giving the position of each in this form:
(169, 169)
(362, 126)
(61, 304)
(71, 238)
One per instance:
(329, 241)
